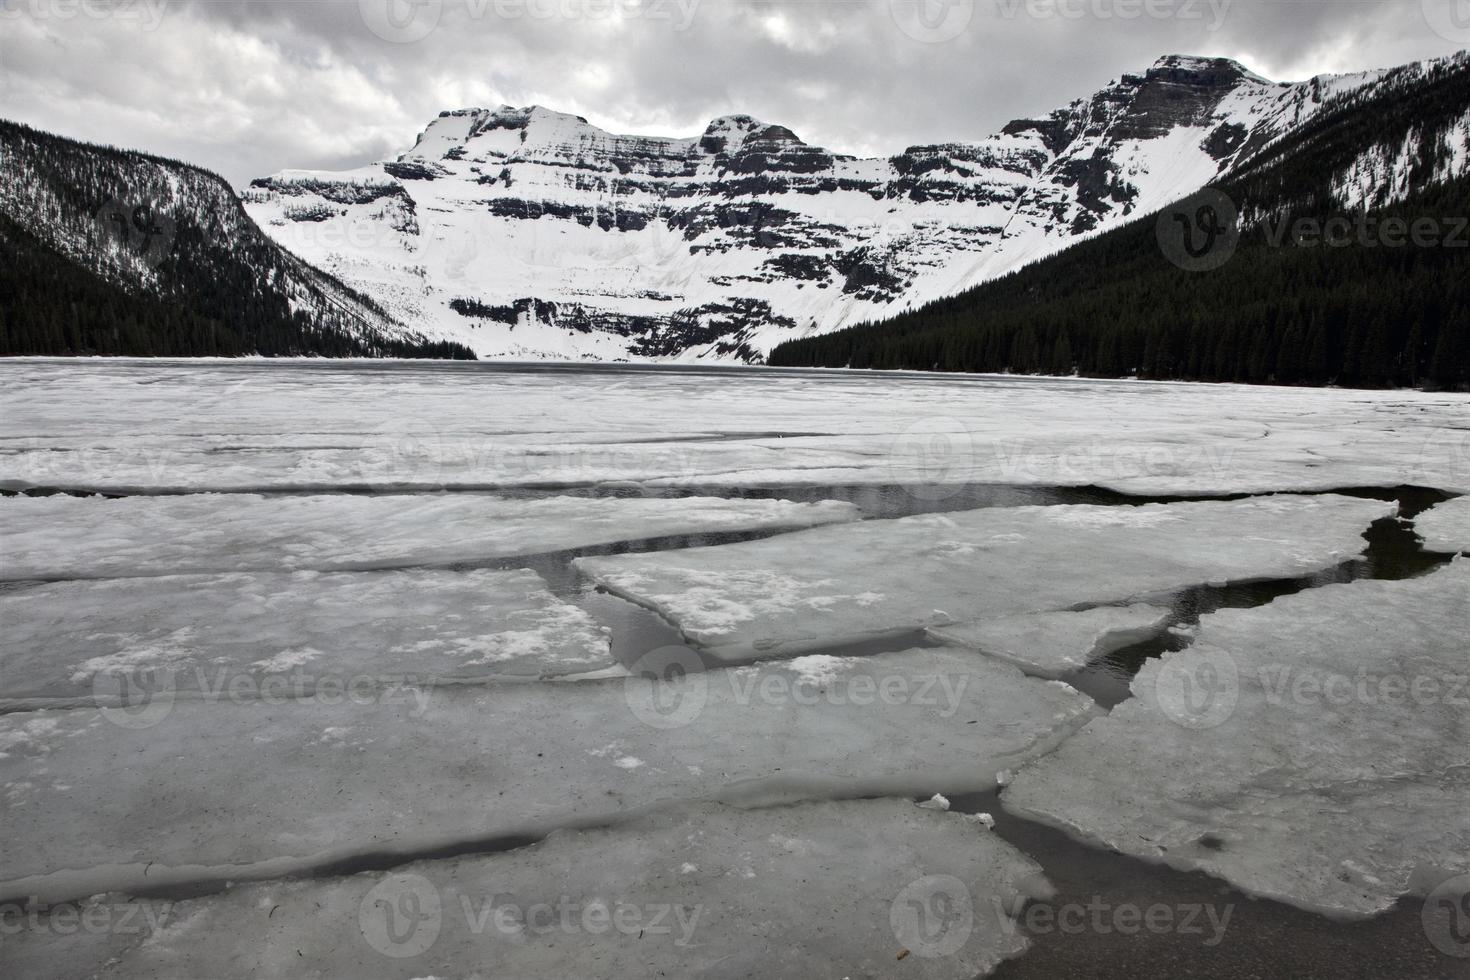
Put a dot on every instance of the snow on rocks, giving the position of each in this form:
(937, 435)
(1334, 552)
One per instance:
(1446, 526)
(68, 537)
(887, 578)
(283, 634)
(248, 788)
(1315, 750)
(823, 889)
(578, 243)
(1056, 643)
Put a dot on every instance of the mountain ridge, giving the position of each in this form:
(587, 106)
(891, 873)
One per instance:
(1381, 301)
(527, 232)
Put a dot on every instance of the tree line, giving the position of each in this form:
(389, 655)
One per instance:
(1371, 310)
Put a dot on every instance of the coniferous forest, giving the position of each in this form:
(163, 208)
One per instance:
(106, 251)
(1366, 305)
(51, 305)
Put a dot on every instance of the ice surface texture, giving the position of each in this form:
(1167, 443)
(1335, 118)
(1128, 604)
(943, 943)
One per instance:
(287, 632)
(1446, 526)
(825, 889)
(67, 537)
(233, 784)
(1314, 750)
(815, 588)
(1056, 643)
(239, 426)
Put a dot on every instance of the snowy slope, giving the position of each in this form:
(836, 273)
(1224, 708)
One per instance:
(529, 233)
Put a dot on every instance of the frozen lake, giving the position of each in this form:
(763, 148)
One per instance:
(441, 669)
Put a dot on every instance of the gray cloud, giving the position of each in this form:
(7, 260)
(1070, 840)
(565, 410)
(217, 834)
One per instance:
(248, 87)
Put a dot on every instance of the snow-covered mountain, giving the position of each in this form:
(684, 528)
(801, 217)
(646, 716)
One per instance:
(530, 233)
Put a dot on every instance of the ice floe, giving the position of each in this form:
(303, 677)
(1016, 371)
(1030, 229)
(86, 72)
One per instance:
(244, 426)
(1315, 750)
(1056, 643)
(172, 790)
(92, 537)
(862, 888)
(282, 634)
(1446, 526)
(816, 588)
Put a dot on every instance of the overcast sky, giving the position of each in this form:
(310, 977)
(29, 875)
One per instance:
(247, 87)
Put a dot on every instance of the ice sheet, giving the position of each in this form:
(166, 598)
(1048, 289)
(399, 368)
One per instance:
(69, 537)
(279, 635)
(1056, 643)
(1446, 526)
(248, 426)
(819, 587)
(255, 786)
(1314, 750)
(826, 889)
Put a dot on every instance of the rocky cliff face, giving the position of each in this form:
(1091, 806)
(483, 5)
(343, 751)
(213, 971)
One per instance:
(530, 233)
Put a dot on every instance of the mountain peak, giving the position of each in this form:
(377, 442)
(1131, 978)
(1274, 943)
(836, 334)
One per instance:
(1206, 69)
(727, 134)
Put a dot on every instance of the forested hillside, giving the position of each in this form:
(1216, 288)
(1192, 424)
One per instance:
(1347, 271)
(106, 251)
